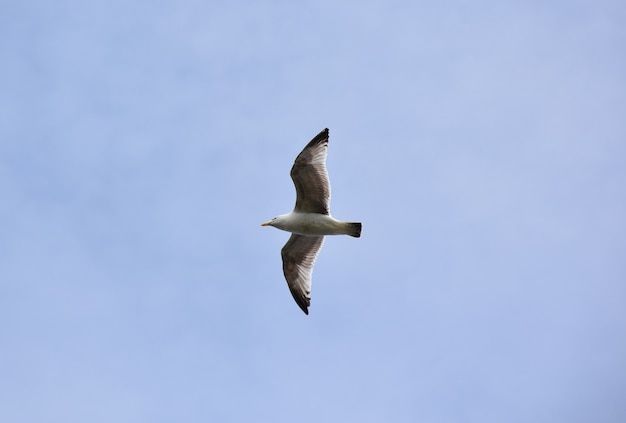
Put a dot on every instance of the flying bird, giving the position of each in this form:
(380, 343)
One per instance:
(310, 219)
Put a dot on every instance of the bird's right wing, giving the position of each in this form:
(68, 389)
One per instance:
(299, 254)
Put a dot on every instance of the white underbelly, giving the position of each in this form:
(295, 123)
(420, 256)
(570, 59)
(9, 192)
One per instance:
(313, 224)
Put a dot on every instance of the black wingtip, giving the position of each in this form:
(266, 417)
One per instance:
(303, 307)
(302, 301)
(321, 137)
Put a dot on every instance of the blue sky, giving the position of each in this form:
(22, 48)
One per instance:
(482, 144)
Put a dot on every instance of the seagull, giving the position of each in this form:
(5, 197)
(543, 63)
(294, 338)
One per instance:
(310, 219)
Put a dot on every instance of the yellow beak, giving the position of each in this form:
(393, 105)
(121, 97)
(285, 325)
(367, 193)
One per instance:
(266, 224)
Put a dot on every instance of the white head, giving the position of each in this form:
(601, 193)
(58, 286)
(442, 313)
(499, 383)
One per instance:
(276, 222)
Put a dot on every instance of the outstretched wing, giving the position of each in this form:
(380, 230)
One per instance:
(311, 178)
(299, 254)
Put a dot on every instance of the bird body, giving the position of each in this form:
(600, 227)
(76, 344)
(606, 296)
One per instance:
(310, 220)
(314, 224)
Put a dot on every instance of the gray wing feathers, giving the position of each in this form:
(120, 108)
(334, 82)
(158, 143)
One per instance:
(311, 178)
(299, 254)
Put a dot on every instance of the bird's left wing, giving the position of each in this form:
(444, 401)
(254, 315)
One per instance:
(311, 178)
